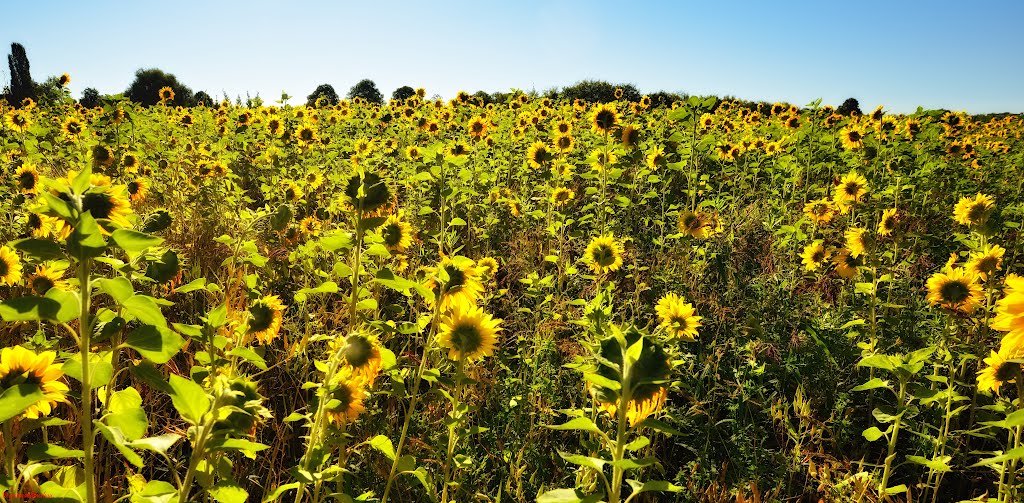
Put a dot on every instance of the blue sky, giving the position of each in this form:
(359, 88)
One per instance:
(900, 53)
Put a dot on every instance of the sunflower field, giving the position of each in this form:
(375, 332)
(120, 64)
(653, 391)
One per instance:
(530, 300)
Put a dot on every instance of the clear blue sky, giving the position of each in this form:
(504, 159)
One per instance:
(900, 53)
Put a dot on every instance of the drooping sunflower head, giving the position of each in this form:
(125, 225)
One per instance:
(487, 266)
(10, 266)
(604, 118)
(1010, 308)
(646, 377)
(360, 351)
(974, 211)
(455, 282)
(857, 241)
(20, 366)
(887, 224)
(344, 397)
(468, 333)
(64, 80)
(102, 155)
(265, 316)
(846, 265)
(987, 261)
(108, 203)
(630, 137)
(367, 192)
(241, 403)
(678, 317)
(814, 255)
(603, 254)
(397, 233)
(956, 290)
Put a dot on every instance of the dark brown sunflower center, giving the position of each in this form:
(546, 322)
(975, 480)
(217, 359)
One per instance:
(100, 204)
(955, 292)
(27, 180)
(603, 255)
(260, 317)
(604, 119)
(357, 351)
(41, 285)
(466, 338)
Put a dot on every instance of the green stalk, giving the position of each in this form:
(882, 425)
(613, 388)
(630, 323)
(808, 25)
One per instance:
(891, 453)
(620, 434)
(453, 437)
(85, 336)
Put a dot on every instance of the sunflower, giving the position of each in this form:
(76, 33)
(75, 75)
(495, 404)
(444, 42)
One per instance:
(603, 254)
(538, 155)
(165, 94)
(973, 211)
(314, 179)
(630, 137)
(18, 120)
(604, 118)
(265, 317)
(102, 155)
(695, 224)
(955, 290)
(345, 394)
(292, 191)
(462, 287)
(412, 152)
(64, 80)
(137, 189)
(564, 142)
(397, 233)
(27, 178)
(851, 189)
(561, 196)
(47, 276)
(846, 265)
(108, 202)
(887, 224)
(987, 261)
(999, 369)
(367, 192)
(275, 126)
(360, 351)
(19, 366)
(599, 159)
(656, 159)
(477, 127)
(814, 255)
(852, 138)
(1010, 308)
(488, 267)
(820, 211)
(310, 226)
(72, 127)
(648, 395)
(856, 241)
(468, 333)
(306, 135)
(678, 317)
(10, 266)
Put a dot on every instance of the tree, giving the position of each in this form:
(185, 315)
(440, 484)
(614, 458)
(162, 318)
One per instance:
(599, 91)
(22, 85)
(366, 90)
(403, 93)
(147, 84)
(90, 98)
(325, 91)
(203, 99)
(849, 106)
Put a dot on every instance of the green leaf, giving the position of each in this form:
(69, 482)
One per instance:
(15, 400)
(1010, 455)
(579, 423)
(872, 384)
(249, 356)
(115, 436)
(159, 443)
(42, 249)
(279, 491)
(873, 433)
(189, 399)
(196, 284)
(587, 461)
(653, 485)
(659, 425)
(384, 445)
(568, 496)
(133, 241)
(120, 289)
(57, 305)
(885, 362)
(156, 344)
(86, 240)
(127, 414)
(155, 491)
(938, 464)
(226, 492)
(40, 452)
(145, 309)
(100, 368)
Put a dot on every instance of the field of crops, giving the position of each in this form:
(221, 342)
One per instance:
(532, 300)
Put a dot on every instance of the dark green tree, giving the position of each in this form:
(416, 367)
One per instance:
(90, 98)
(367, 90)
(203, 99)
(403, 93)
(599, 91)
(849, 106)
(147, 84)
(325, 91)
(22, 85)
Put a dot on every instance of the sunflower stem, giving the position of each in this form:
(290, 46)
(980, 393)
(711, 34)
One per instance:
(453, 436)
(85, 336)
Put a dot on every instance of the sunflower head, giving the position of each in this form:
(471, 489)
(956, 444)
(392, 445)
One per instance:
(678, 317)
(630, 137)
(645, 379)
(48, 276)
(397, 233)
(27, 178)
(455, 282)
(343, 400)
(604, 118)
(956, 290)
(242, 405)
(468, 333)
(165, 94)
(974, 211)
(360, 351)
(814, 255)
(265, 316)
(538, 154)
(20, 366)
(367, 192)
(985, 262)
(820, 211)
(561, 196)
(603, 254)
(10, 267)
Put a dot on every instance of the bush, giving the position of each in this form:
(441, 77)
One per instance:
(325, 91)
(147, 84)
(367, 90)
